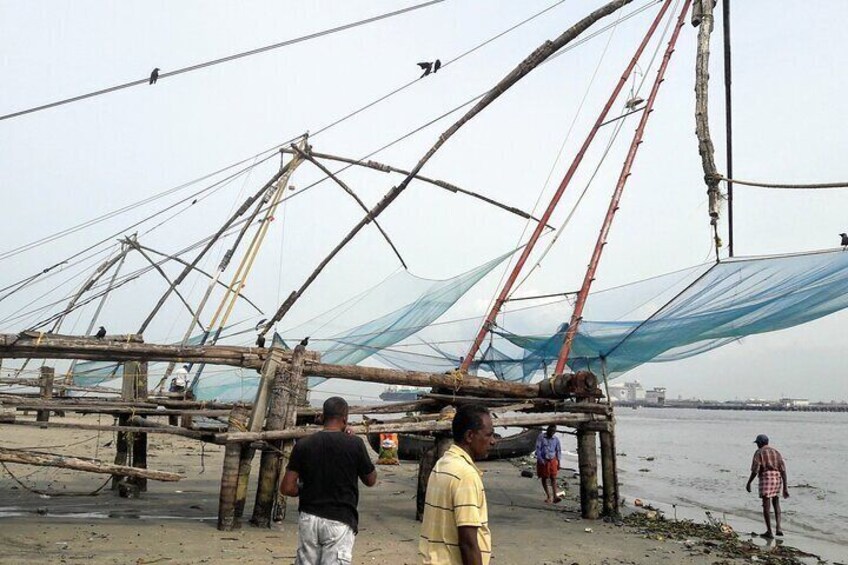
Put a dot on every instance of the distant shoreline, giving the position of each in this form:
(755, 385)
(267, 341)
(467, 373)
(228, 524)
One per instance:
(755, 407)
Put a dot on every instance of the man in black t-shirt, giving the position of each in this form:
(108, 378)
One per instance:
(324, 471)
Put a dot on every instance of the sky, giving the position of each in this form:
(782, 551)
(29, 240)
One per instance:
(67, 165)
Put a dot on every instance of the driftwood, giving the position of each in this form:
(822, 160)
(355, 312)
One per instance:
(90, 466)
(528, 420)
(531, 62)
(704, 9)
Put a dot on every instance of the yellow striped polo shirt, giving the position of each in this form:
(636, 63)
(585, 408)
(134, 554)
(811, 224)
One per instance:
(455, 497)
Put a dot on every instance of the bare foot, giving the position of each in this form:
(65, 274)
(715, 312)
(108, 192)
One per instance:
(547, 501)
(557, 500)
(767, 535)
(779, 533)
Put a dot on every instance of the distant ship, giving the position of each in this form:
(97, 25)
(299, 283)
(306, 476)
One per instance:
(400, 393)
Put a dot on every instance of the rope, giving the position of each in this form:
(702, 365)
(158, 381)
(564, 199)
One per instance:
(52, 493)
(145, 80)
(793, 186)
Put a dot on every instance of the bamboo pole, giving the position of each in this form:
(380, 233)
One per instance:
(615, 199)
(147, 427)
(227, 519)
(90, 466)
(587, 455)
(533, 60)
(282, 415)
(46, 380)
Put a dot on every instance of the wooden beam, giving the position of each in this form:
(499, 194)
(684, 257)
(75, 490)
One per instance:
(587, 462)
(46, 385)
(90, 466)
(227, 519)
(450, 381)
(47, 346)
(528, 420)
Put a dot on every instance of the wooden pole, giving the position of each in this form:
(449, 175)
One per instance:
(88, 465)
(425, 467)
(123, 447)
(255, 424)
(46, 379)
(587, 457)
(227, 519)
(282, 415)
(139, 447)
(609, 474)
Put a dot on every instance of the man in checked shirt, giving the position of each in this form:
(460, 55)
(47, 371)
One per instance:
(769, 466)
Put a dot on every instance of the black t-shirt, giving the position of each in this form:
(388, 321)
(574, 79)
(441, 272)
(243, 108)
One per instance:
(329, 465)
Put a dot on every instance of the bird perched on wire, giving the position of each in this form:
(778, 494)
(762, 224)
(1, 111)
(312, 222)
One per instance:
(154, 76)
(260, 341)
(305, 341)
(430, 67)
(844, 240)
(101, 333)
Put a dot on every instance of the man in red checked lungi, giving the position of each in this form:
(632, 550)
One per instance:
(768, 465)
(548, 452)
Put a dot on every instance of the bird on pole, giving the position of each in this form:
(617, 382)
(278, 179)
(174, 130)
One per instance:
(427, 67)
(260, 341)
(154, 76)
(305, 341)
(101, 333)
(844, 242)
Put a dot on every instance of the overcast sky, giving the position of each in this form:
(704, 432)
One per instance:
(67, 165)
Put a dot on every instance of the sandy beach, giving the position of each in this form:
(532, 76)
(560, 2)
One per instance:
(175, 522)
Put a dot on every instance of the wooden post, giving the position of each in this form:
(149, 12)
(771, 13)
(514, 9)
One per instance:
(227, 519)
(609, 474)
(123, 447)
(139, 447)
(257, 420)
(282, 414)
(425, 467)
(587, 461)
(46, 385)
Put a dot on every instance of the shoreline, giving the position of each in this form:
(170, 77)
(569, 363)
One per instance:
(175, 522)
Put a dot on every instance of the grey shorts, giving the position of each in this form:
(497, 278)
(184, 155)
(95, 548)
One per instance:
(323, 542)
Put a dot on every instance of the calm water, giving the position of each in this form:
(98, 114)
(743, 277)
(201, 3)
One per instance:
(702, 459)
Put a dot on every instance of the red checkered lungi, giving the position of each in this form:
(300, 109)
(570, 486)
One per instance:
(547, 469)
(770, 484)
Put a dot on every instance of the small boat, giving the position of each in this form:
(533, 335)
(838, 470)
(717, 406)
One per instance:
(410, 446)
(402, 393)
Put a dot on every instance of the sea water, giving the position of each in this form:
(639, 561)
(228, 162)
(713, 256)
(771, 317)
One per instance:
(700, 460)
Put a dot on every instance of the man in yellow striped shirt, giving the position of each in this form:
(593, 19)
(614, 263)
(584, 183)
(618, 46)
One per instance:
(455, 529)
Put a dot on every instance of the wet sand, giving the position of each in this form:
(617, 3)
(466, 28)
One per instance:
(175, 522)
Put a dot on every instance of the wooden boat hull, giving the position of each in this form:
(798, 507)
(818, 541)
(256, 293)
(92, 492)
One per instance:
(410, 446)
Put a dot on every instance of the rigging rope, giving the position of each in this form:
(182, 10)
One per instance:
(792, 186)
(198, 66)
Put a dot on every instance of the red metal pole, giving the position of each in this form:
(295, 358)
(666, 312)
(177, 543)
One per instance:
(577, 315)
(543, 221)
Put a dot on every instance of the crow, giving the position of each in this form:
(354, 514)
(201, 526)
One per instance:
(305, 341)
(101, 333)
(260, 341)
(426, 67)
(154, 76)
(437, 65)
(844, 241)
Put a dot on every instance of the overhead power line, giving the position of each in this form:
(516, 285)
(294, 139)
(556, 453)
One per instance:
(228, 58)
